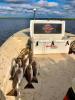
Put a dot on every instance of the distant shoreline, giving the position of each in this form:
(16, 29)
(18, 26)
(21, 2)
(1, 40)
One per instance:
(36, 18)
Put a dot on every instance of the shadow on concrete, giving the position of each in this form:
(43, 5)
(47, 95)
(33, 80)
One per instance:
(27, 33)
(66, 71)
(2, 97)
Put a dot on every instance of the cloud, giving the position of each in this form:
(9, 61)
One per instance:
(14, 0)
(11, 0)
(51, 4)
(58, 12)
(5, 8)
(67, 6)
(21, 6)
(20, 1)
(44, 3)
(26, 10)
(44, 9)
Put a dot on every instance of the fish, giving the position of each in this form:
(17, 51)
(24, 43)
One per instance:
(72, 47)
(14, 68)
(34, 68)
(25, 64)
(16, 82)
(29, 76)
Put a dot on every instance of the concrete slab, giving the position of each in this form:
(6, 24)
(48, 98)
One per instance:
(56, 74)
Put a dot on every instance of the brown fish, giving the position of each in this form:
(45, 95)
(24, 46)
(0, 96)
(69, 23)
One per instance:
(34, 68)
(29, 76)
(14, 68)
(16, 82)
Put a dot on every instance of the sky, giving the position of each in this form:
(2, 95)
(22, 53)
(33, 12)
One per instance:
(44, 8)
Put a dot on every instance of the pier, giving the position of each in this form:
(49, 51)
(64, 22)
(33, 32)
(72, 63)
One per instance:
(56, 71)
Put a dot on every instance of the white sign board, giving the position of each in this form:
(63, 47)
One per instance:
(47, 29)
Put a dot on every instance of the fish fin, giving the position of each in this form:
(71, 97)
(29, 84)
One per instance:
(11, 78)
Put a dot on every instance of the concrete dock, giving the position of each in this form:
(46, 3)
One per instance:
(56, 71)
(56, 74)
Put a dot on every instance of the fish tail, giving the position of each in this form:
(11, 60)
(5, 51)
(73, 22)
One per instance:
(12, 93)
(29, 85)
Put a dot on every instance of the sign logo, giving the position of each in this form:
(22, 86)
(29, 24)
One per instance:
(48, 28)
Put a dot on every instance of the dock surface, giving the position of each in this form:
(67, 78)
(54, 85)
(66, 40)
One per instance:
(56, 74)
(56, 71)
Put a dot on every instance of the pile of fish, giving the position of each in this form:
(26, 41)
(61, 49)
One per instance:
(72, 47)
(23, 67)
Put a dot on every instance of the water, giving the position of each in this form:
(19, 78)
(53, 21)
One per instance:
(9, 26)
(70, 26)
